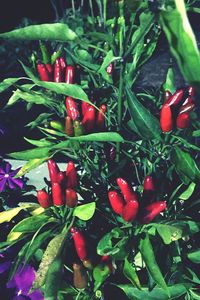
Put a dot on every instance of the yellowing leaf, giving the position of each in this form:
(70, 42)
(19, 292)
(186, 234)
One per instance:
(7, 216)
(12, 236)
(37, 211)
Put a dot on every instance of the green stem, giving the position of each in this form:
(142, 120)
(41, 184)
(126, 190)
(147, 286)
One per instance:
(104, 11)
(91, 8)
(73, 8)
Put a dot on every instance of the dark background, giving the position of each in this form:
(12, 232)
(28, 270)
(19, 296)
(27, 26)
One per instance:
(14, 14)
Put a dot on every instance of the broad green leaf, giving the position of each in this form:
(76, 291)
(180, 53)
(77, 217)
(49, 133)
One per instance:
(31, 164)
(169, 84)
(100, 137)
(169, 233)
(109, 58)
(148, 256)
(39, 143)
(6, 83)
(194, 256)
(85, 212)
(52, 251)
(39, 152)
(188, 192)
(147, 125)
(53, 280)
(73, 90)
(8, 215)
(185, 165)
(175, 291)
(31, 224)
(182, 42)
(100, 273)
(51, 32)
(196, 133)
(130, 273)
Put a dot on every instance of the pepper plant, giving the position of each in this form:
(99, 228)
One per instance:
(130, 192)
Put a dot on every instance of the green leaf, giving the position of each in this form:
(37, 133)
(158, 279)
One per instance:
(85, 212)
(169, 233)
(7, 216)
(31, 224)
(31, 164)
(194, 256)
(148, 256)
(53, 279)
(188, 192)
(72, 90)
(130, 274)
(109, 58)
(100, 273)
(51, 32)
(169, 84)
(185, 166)
(182, 42)
(6, 83)
(100, 137)
(41, 119)
(147, 125)
(175, 291)
(40, 143)
(39, 152)
(52, 251)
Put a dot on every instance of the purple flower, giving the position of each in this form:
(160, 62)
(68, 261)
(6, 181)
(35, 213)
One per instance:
(22, 283)
(7, 178)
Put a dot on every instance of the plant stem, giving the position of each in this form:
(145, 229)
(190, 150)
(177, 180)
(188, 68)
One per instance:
(73, 8)
(91, 8)
(104, 11)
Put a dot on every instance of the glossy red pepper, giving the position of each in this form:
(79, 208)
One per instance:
(88, 121)
(151, 211)
(100, 122)
(149, 190)
(57, 195)
(69, 129)
(167, 96)
(57, 71)
(176, 98)
(69, 74)
(191, 91)
(53, 170)
(166, 121)
(72, 109)
(130, 211)
(109, 69)
(71, 198)
(84, 107)
(61, 178)
(186, 108)
(188, 100)
(126, 190)
(49, 68)
(62, 64)
(116, 202)
(71, 175)
(183, 120)
(43, 72)
(79, 242)
(44, 199)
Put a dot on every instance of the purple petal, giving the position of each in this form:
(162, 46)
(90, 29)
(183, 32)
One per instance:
(15, 181)
(14, 172)
(8, 168)
(2, 184)
(11, 183)
(23, 279)
(2, 171)
(4, 266)
(36, 295)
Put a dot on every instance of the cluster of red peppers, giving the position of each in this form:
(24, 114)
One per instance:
(175, 112)
(129, 207)
(84, 120)
(80, 276)
(62, 187)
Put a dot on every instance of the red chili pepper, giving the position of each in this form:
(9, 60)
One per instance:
(84, 107)
(79, 242)
(53, 170)
(100, 122)
(151, 211)
(167, 96)
(57, 71)
(49, 68)
(69, 75)
(166, 121)
(57, 195)
(106, 259)
(69, 126)
(71, 198)
(183, 120)
(43, 72)
(109, 69)
(44, 199)
(62, 64)
(149, 190)
(130, 211)
(188, 100)
(116, 202)
(186, 108)
(88, 121)
(126, 190)
(176, 98)
(71, 175)
(191, 91)
(61, 177)
(72, 109)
